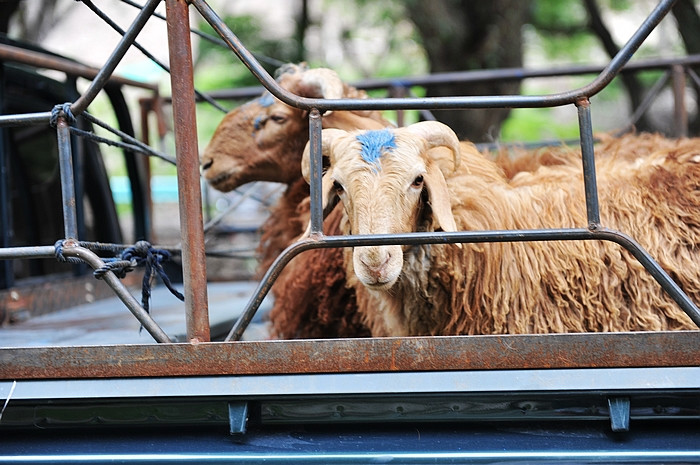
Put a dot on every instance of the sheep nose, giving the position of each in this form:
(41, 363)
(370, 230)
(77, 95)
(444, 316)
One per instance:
(377, 272)
(206, 164)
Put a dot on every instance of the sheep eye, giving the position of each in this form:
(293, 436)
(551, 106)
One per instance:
(279, 119)
(338, 187)
(418, 182)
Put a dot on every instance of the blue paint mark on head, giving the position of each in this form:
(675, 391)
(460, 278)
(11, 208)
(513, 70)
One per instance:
(374, 143)
(258, 122)
(266, 100)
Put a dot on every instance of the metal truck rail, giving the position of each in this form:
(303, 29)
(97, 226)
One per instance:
(407, 400)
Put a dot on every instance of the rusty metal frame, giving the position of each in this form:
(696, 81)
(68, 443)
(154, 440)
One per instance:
(458, 353)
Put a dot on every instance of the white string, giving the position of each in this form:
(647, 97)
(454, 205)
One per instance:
(9, 396)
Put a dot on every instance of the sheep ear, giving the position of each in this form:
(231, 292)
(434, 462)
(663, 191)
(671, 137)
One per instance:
(327, 138)
(439, 198)
(329, 199)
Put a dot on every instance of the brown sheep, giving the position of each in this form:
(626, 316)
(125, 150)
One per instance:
(263, 140)
(520, 287)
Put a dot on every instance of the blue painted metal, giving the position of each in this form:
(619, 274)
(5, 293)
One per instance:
(400, 444)
(237, 417)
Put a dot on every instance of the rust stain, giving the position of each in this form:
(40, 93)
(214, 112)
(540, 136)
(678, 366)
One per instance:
(355, 356)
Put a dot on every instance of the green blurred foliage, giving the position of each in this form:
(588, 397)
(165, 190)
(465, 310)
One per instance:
(223, 68)
(557, 33)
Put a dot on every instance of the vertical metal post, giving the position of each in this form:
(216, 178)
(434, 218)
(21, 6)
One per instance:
(187, 154)
(65, 161)
(588, 158)
(316, 172)
(6, 270)
(680, 114)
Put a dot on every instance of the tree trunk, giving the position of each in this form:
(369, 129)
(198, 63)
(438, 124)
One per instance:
(463, 35)
(688, 22)
(634, 87)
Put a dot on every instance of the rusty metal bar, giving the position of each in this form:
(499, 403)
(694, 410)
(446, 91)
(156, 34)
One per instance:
(571, 234)
(187, 154)
(482, 75)
(680, 113)
(71, 68)
(500, 352)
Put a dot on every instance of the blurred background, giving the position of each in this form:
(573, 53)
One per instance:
(392, 38)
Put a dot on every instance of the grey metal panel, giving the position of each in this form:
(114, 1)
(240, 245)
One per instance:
(573, 380)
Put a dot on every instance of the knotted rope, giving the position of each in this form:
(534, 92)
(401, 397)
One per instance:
(56, 112)
(140, 254)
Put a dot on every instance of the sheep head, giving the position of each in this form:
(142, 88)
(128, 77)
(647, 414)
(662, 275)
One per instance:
(386, 179)
(263, 139)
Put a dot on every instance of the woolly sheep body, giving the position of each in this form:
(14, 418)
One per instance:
(542, 287)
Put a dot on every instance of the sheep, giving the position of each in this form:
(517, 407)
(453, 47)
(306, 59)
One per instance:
(418, 178)
(263, 140)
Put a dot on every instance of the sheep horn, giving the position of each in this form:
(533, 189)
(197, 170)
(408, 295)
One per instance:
(322, 83)
(437, 135)
(326, 82)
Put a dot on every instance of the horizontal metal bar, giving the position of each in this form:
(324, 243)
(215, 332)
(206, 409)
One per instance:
(40, 251)
(351, 455)
(358, 384)
(473, 76)
(25, 119)
(445, 353)
(71, 68)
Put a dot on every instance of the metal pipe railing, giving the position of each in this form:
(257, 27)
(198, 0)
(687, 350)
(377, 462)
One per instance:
(489, 101)
(187, 154)
(186, 146)
(579, 97)
(65, 161)
(71, 68)
(118, 53)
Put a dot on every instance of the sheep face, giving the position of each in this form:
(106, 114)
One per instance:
(259, 141)
(385, 179)
(263, 140)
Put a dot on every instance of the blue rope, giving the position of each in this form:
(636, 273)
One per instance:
(58, 252)
(56, 112)
(140, 254)
(144, 254)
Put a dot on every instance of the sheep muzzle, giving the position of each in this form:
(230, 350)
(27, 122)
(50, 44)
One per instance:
(378, 267)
